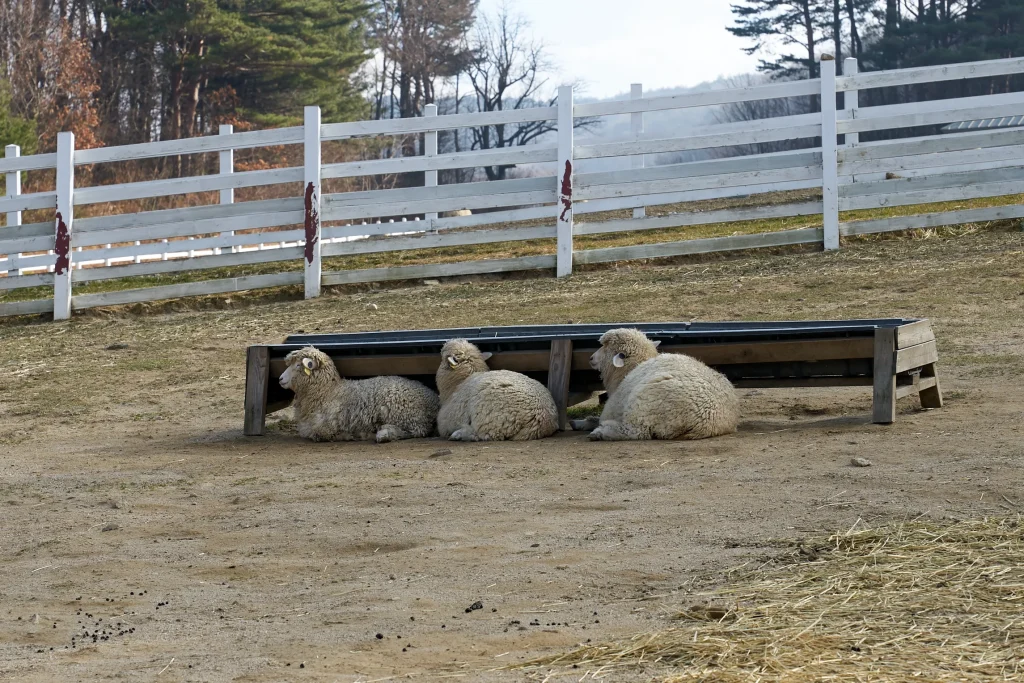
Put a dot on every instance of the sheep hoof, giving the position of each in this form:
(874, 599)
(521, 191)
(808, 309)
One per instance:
(596, 435)
(387, 434)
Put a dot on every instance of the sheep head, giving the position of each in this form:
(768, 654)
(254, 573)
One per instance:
(621, 350)
(308, 369)
(459, 360)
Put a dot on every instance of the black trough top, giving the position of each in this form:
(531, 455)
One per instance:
(528, 337)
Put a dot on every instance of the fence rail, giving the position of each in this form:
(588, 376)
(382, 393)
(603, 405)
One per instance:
(557, 204)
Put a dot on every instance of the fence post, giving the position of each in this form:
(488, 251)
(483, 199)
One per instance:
(227, 165)
(850, 100)
(64, 220)
(13, 217)
(563, 261)
(311, 200)
(430, 150)
(636, 92)
(829, 154)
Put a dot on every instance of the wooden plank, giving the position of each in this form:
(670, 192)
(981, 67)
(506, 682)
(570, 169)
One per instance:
(851, 100)
(598, 205)
(928, 118)
(333, 212)
(883, 399)
(340, 131)
(700, 246)
(759, 178)
(428, 241)
(701, 99)
(829, 152)
(932, 220)
(930, 74)
(186, 228)
(945, 194)
(26, 307)
(916, 356)
(692, 169)
(22, 281)
(207, 143)
(475, 159)
(560, 365)
(193, 214)
(931, 396)
(914, 333)
(29, 202)
(33, 162)
(725, 134)
(933, 182)
(739, 353)
(918, 385)
(188, 245)
(941, 106)
(676, 220)
(481, 188)
(182, 265)
(257, 377)
(932, 144)
(189, 185)
(942, 162)
(203, 288)
(796, 382)
(41, 243)
(344, 277)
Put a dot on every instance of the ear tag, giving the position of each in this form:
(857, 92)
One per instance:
(306, 370)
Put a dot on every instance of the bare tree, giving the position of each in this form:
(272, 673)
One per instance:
(508, 72)
(754, 110)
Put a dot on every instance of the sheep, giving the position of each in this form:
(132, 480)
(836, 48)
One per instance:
(659, 396)
(331, 408)
(480, 404)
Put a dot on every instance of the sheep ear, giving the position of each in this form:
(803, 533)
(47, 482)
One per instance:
(618, 360)
(657, 343)
(451, 361)
(486, 354)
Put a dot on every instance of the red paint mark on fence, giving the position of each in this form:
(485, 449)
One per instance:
(566, 197)
(62, 247)
(312, 222)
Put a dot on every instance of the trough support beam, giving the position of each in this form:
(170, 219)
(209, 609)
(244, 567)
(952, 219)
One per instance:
(257, 378)
(884, 394)
(931, 397)
(311, 200)
(829, 153)
(63, 224)
(559, 369)
(563, 262)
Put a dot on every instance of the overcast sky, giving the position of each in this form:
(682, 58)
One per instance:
(612, 43)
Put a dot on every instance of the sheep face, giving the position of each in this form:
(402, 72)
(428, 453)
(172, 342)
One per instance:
(459, 360)
(306, 367)
(621, 350)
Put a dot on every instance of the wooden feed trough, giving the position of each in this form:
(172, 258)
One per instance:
(895, 356)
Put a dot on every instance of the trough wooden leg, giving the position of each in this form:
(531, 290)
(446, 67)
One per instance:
(884, 395)
(257, 375)
(559, 368)
(931, 397)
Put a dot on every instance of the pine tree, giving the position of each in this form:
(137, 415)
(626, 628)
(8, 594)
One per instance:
(797, 25)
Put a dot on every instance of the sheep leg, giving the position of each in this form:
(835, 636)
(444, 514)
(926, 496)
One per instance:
(585, 425)
(464, 433)
(611, 430)
(391, 433)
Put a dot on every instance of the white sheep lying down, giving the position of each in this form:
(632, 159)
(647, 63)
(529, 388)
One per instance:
(659, 396)
(330, 408)
(480, 404)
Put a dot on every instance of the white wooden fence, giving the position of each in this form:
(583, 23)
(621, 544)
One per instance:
(311, 226)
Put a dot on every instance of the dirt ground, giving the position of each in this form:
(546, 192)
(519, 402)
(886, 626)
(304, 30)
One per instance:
(144, 538)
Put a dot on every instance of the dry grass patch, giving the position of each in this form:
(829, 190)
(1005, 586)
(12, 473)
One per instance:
(911, 601)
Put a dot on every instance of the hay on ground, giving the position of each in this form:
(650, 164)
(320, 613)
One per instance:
(914, 601)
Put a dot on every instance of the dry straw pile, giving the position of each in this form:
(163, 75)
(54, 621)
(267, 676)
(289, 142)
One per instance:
(914, 601)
